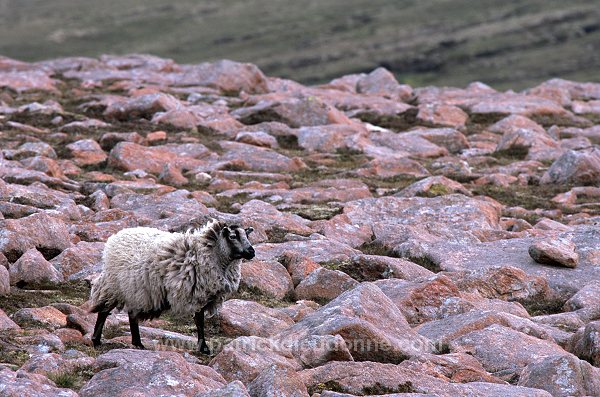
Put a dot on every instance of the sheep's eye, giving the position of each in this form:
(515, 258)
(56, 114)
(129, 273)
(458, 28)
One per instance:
(232, 236)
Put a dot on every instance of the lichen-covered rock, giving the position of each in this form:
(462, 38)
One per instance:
(33, 269)
(420, 300)
(86, 152)
(575, 167)
(554, 252)
(269, 277)
(246, 357)
(585, 343)
(562, 375)
(6, 323)
(370, 323)
(246, 318)
(46, 316)
(324, 284)
(277, 381)
(503, 351)
(46, 233)
(130, 372)
(23, 384)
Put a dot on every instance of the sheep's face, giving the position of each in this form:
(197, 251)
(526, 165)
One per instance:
(237, 242)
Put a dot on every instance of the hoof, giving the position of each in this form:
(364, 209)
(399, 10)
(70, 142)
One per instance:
(139, 346)
(96, 343)
(204, 349)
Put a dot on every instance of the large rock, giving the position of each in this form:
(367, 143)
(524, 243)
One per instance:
(255, 158)
(504, 282)
(382, 82)
(129, 156)
(455, 210)
(46, 316)
(330, 138)
(575, 167)
(27, 80)
(442, 332)
(172, 211)
(294, 111)
(133, 372)
(33, 269)
(269, 277)
(246, 318)
(52, 363)
(246, 357)
(433, 186)
(503, 351)
(366, 378)
(585, 343)
(86, 152)
(76, 262)
(420, 300)
(47, 234)
(449, 138)
(6, 323)
(23, 384)
(324, 284)
(514, 252)
(265, 217)
(277, 381)
(227, 76)
(562, 376)
(318, 250)
(370, 323)
(441, 115)
(144, 106)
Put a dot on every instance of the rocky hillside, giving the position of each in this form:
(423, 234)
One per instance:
(506, 44)
(439, 241)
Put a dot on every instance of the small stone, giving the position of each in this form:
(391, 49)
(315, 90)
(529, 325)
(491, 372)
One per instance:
(556, 252)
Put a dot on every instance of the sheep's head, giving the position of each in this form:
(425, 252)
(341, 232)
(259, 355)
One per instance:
(237, 242)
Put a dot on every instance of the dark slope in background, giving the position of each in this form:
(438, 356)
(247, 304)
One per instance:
(507, 44)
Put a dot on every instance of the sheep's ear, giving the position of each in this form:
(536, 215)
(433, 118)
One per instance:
(249, 230)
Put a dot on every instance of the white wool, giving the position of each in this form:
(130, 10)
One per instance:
(147, 271)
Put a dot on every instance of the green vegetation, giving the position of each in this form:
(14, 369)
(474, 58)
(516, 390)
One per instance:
(74, 379)
(509, 44)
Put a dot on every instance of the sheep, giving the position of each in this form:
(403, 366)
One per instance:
(148, 271)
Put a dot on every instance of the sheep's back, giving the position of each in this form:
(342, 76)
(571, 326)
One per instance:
(125, 279)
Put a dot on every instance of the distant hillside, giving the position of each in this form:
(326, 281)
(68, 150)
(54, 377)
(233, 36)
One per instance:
(508, 44)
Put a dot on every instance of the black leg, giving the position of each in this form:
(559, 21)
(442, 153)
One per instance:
(135, 331)
(98, 328)
(199, 320)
